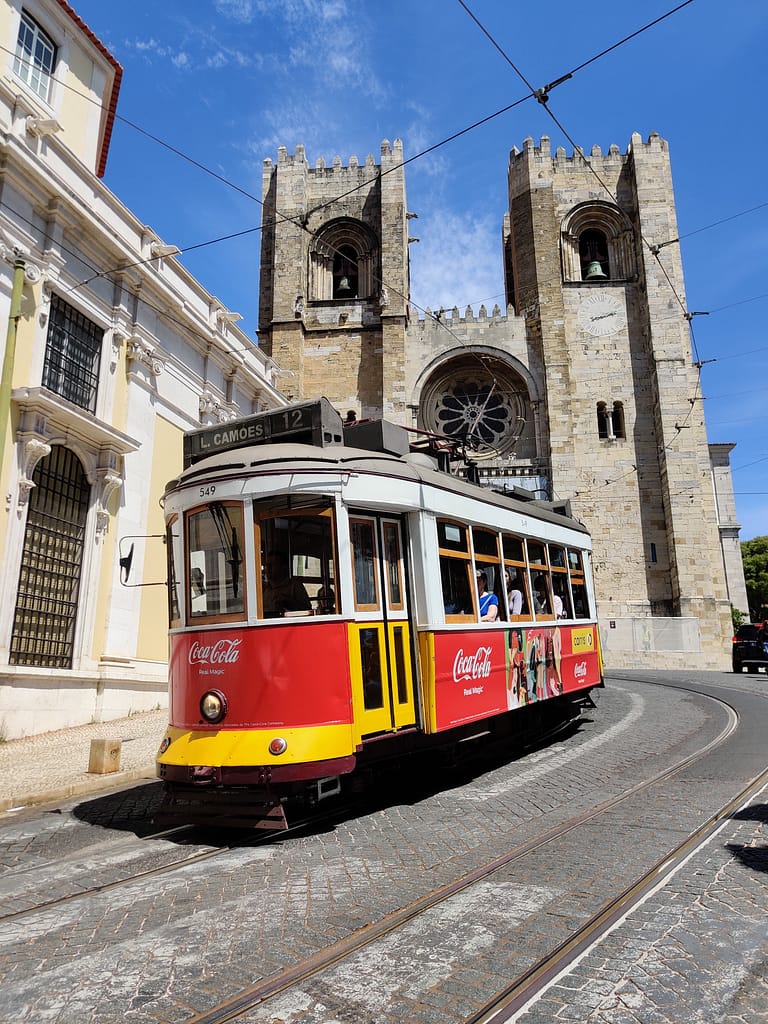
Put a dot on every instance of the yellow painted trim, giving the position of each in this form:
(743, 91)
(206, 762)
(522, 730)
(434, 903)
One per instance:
(405, 714)
(427, 661)
(368, 721)
(248, 747)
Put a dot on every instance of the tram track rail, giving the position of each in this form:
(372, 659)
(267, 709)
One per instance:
(261, 839)
(506, 1002)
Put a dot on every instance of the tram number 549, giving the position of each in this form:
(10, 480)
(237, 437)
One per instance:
(206, 492)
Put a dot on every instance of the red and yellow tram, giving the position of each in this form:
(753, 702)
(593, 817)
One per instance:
(325, 611)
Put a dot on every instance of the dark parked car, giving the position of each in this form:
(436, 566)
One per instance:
(750, 648)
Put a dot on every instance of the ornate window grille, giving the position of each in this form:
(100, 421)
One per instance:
(72, 355)
(51, 563)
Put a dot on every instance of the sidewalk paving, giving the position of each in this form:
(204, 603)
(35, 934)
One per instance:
(54, 765)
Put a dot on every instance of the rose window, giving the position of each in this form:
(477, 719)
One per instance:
(484, 409)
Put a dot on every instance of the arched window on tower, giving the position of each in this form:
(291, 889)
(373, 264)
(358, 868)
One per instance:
(603, 420)
(345, 275)
(593, 255)
(617, 420)
(610, 421)
(597, 244)
(343, 262)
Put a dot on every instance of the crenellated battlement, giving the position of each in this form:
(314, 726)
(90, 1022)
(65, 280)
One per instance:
(391, 156)
(578, 159)
(434, 318)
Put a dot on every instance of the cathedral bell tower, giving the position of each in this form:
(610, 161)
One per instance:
(334, 287)
(590, 266)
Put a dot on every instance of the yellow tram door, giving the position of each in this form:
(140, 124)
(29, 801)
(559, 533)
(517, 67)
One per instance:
(380, 637)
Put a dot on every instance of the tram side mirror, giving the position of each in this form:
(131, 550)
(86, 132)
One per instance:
(127, 551)
(126, 561)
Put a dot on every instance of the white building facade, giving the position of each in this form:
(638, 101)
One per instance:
(111, 350)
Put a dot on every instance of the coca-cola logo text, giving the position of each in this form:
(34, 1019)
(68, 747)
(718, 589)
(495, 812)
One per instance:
(472, 666)
(580, 669)
(223, 652)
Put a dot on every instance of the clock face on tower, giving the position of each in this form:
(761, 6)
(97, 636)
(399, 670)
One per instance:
(601, 315)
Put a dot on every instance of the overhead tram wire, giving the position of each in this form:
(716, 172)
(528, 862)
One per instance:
(160, 310)
(244, 192)
(281, 218)
(540, 95)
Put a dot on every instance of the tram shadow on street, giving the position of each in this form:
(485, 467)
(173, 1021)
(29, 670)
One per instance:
(753, 857)
(125, 810)
(403, 783)
(427, 775)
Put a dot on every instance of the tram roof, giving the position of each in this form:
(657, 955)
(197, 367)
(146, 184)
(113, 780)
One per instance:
(284, 458)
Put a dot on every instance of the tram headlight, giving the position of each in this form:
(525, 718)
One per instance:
(213, 706)
(278, 746)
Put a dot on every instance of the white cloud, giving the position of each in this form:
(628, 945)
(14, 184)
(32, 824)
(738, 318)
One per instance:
(334, 9)
(238, 10)
(149, 47)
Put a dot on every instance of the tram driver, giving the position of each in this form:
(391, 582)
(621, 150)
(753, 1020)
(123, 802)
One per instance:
(282, 592)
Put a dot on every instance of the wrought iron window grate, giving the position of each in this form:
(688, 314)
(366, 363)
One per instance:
(72, 355)
(51, 563)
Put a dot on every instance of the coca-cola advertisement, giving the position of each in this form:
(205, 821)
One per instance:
(479, 674)
(266, 675)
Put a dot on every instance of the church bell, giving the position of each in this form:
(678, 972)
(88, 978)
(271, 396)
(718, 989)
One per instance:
(594, 270)
(343, 288)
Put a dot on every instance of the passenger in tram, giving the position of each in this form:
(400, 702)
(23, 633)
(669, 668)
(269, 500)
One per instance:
(514, 592)
(282, 592)
(489, 603)
(540, 595)
(326, 601)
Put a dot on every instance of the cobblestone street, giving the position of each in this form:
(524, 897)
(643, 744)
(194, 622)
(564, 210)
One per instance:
(163, 947)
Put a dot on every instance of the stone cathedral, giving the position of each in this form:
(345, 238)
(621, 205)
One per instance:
(582, 389)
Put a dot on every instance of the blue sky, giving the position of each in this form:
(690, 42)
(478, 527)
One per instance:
(225, 82)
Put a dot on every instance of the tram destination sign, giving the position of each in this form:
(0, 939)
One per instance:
(316, 423)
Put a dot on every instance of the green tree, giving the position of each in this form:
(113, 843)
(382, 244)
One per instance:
(754, 554)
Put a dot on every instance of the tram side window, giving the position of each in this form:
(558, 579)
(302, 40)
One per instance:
(578, 586)
(455, 566)
(542, 597)
(298, 577)
(215, 567)
(516, 577)
(560, 592)
(486, 545)
(363, 536)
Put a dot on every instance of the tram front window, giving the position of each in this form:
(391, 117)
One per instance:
(297, 569)
(215, 569)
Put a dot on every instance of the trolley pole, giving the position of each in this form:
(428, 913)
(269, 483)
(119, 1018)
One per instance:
(10, 350)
